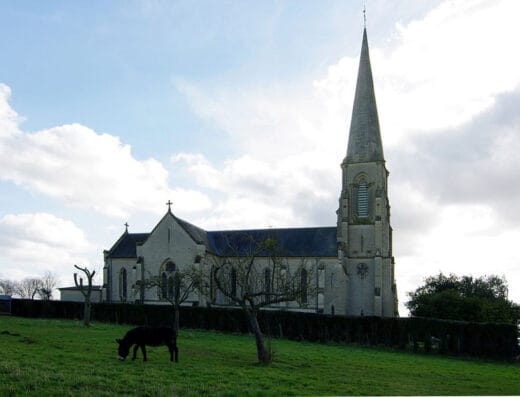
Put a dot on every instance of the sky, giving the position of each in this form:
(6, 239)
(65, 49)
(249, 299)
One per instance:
(238, 112)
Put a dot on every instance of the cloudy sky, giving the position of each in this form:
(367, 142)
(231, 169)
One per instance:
(238, 112)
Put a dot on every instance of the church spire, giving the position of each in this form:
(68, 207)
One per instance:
(364, 143)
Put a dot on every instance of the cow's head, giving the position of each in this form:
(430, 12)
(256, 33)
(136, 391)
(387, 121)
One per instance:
(123, 350)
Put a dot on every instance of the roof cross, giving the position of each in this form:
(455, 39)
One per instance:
(126, 226)
(365, 15)
(169, 204)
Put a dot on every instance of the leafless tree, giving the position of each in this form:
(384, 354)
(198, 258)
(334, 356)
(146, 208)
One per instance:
(8, 287)
(28, 288)
(254, 275)
(48, 283)
(86, 290)
(174, 288)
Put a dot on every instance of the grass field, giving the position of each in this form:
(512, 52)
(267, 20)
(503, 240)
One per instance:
(54, 357)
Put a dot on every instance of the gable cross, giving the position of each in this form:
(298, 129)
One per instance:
(126, 226)
(169, 204)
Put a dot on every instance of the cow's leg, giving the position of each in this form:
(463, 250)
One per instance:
(176, 353)
(135, 351)
(143, 349)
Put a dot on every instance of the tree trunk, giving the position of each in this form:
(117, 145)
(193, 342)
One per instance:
(176, 318)
(260, 348)
(86, 312)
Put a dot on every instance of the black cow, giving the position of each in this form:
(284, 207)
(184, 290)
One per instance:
(142, 336)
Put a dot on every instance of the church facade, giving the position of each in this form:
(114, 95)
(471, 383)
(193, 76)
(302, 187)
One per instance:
(350, 266)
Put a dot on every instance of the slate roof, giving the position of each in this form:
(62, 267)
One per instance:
(196, 233)
(294, 242)
(125, 246)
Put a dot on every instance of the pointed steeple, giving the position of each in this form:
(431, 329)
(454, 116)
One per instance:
(364, 142)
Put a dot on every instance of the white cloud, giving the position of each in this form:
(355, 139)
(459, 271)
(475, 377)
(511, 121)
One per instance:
(82, 168)
(271, 121)
(476, 162)
(259, 193)
(448, 67)
(9, 119)
(31, 244)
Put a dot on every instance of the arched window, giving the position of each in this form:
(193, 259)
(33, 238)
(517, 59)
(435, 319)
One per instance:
(267, 283)
(234, 282)
(123, 284)
(167, 285)
(303, 286)
(362, 199)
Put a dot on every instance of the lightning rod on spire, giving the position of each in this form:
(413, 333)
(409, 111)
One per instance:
(365, 15)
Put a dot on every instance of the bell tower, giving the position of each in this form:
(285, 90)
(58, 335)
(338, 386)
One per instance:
(364, 232)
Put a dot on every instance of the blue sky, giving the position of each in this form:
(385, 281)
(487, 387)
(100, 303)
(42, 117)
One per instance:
(238, 112)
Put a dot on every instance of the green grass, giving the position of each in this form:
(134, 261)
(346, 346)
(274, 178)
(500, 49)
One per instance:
(54, 357)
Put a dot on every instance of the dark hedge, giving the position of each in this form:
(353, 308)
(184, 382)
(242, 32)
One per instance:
(414, 334)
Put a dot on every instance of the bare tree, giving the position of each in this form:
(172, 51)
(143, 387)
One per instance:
(255, 275)
(48, 283)
(174, 288)
(86, 291)
(28, 288)
(8, 287)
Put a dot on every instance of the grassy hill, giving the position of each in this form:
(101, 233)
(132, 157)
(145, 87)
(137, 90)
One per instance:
(55, 357)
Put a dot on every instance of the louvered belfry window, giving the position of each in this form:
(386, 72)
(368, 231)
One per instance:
(362, 200)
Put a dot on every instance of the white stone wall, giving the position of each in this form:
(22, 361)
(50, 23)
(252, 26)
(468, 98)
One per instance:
(129, 264)
(335, 288)
(168, 242)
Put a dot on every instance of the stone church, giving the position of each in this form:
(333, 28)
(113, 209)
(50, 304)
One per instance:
(351, 263)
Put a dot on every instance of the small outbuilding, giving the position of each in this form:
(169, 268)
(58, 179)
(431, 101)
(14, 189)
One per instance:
(73, 294)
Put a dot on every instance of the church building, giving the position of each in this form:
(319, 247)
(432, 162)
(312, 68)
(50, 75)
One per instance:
(350, 266)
